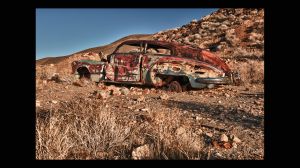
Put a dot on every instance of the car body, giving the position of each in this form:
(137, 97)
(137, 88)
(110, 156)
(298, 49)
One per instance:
(157, 63)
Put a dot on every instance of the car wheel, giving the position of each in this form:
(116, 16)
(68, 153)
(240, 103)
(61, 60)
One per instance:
(174, 86)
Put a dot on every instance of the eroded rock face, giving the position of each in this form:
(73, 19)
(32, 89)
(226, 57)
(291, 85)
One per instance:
(224, 31)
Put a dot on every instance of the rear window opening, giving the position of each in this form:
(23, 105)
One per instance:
(200, 72)
(130, 48)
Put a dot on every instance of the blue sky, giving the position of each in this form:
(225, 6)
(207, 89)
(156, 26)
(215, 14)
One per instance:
(61, 32)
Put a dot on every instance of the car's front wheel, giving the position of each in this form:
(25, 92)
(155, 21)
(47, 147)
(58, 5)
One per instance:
(174, 86)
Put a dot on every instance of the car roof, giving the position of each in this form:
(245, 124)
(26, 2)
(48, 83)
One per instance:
(154, 42)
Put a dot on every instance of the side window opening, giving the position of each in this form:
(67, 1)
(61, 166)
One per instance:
(157, 50)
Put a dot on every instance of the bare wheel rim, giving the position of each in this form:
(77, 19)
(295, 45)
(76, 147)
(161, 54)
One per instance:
(174, 86)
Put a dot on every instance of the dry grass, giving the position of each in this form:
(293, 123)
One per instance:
(251, 71)
(78, 130)
(45, 72)
(174, 138)
(87, 130)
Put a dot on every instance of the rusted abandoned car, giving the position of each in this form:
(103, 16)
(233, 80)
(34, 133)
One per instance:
(158, 63)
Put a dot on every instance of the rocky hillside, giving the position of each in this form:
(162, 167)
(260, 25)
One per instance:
(229, 32)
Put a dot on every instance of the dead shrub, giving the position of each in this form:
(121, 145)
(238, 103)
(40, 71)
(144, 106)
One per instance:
(251, 71)
(172, 140)
(78, 130)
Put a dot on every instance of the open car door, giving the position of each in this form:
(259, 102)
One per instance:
(125, 63)
(127, 67)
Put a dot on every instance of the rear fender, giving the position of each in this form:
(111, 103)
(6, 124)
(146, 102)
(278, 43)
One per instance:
(96, 71)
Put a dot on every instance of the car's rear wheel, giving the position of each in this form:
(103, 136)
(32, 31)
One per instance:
(174, 86)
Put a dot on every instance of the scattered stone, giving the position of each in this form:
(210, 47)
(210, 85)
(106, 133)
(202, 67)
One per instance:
(164, 96)
(197, 36)
(142, 152)
(145, 109)
(223, 138)
(146, 91)
(215, 144)
(45, 82)
(138, 93)
(234, 145)
(227, 95)
(124, 91)
(210, 86)
(37, 103)
(220, 101)
(127, 131)
(236, 139)
(257, 102)
(227, 145)
(198, 118)
(200, 131)
(116, 92)
(217, 154)
(55, 78)
(101, 154)
(209, 134)
(141, 98)
(77, 83)
(102, 94)
(194, 21)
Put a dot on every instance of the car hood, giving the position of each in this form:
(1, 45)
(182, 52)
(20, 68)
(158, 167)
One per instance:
(202, 55)
(213, 59)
